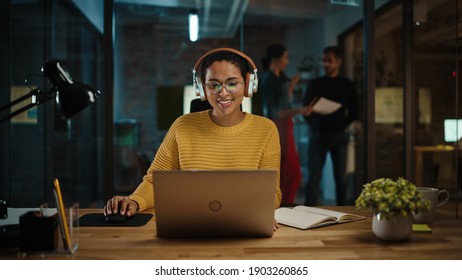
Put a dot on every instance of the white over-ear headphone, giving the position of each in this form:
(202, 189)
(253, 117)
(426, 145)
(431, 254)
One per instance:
(251, 79)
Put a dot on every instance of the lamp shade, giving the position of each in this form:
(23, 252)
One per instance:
(73, 98)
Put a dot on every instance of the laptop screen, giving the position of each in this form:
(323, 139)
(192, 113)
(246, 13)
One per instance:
(452, 130)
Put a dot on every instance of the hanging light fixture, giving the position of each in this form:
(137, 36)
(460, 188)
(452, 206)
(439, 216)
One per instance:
(193, 25)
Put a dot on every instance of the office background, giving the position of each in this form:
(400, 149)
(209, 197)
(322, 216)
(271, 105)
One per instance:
(402, 55)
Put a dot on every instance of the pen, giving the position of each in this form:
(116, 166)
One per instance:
(62, 215)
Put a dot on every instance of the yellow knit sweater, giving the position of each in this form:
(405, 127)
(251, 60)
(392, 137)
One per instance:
(195, 142)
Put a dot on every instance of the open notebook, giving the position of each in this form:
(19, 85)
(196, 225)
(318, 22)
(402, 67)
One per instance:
(214, 203)
(305, 217)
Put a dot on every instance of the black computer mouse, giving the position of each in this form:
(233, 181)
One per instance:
(115, 218)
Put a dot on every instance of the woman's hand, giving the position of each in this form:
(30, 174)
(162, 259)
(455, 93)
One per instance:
(276, 225)
(293, 83)
(122, 204)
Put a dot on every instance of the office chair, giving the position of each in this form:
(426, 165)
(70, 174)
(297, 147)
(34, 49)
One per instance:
(199, 105)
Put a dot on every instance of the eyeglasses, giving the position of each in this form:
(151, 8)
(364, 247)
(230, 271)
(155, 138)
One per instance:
(231, 87)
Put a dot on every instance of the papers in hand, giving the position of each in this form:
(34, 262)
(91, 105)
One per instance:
(326, 106)
(305, 217)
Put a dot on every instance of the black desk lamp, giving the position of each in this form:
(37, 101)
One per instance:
(71, 96)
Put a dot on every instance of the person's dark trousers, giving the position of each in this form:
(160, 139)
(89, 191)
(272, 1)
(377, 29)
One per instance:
(319, 144)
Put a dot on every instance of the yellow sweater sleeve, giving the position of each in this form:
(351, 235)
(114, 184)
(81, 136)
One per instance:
(194, 142)
(272, 160)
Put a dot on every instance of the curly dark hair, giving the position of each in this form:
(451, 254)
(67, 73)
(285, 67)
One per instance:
(335, 50)
(273, 51)
(229, 56)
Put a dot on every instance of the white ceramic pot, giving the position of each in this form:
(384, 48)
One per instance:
(395, 228)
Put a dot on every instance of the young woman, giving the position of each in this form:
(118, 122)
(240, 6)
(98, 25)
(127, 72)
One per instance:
(276, 88)
(221, 138)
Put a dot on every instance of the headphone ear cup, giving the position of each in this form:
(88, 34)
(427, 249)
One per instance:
(199, 89)
(255, 83)
(250, 85)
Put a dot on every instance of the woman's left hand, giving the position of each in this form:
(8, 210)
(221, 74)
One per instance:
(276, 225)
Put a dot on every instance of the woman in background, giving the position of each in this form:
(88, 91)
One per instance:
(276, 90)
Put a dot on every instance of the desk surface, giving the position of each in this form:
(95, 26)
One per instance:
(342, 241)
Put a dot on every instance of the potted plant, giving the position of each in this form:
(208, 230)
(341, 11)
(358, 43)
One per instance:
(393, 203)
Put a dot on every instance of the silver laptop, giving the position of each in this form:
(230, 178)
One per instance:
(218, 203)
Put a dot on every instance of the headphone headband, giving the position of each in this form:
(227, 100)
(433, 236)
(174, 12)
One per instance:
(241, 54)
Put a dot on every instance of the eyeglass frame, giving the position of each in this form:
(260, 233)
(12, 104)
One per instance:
(222, 85)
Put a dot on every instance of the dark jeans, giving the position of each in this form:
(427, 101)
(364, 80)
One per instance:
(319, 144)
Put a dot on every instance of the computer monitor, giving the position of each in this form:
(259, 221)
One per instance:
(452, 130)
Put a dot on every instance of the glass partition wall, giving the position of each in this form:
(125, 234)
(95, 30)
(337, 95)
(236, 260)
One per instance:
(153, 59)
(428, 93)
(41, 145)
(436, 57)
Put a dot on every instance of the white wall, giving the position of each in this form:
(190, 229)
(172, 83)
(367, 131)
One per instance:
(312, 37)
(303, 40)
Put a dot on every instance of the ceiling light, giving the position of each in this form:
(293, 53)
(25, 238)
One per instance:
(193, 25)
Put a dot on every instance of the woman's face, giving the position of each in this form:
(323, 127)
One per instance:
(225, 103)
(283, 61)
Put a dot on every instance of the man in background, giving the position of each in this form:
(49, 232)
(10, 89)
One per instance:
(328, 132)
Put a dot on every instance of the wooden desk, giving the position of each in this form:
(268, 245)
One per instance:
(419, 151)
(344, 241)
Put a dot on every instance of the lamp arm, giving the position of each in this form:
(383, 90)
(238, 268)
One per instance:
(40, 97)
(16, 101)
